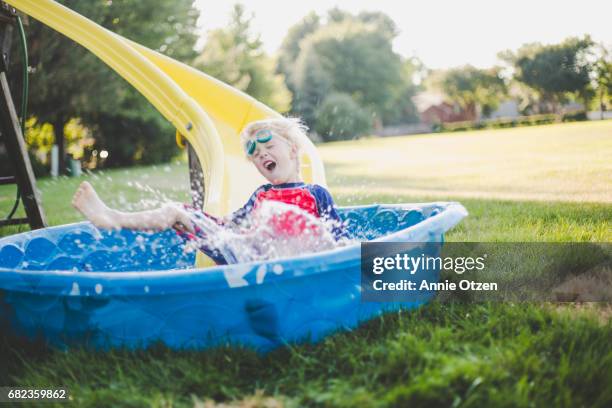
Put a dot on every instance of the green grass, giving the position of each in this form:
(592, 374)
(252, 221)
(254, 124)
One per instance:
(440, 355)
(132, 189)
(547, 183)
(569, 162)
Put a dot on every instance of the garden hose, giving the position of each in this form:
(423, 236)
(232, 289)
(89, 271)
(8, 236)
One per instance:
(24, 64)
(24, 98)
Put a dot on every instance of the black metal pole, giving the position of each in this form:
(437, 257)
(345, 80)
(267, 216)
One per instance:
(196, 178)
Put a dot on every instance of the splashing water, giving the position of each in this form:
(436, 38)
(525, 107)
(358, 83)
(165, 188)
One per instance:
(275, 230)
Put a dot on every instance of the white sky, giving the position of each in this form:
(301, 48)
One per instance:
(442, 33)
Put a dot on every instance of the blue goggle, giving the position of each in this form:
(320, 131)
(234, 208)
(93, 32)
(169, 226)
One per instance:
(262, 136)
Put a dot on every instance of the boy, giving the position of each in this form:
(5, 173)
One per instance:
(268, 225)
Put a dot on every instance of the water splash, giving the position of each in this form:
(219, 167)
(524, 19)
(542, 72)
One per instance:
(275, 230)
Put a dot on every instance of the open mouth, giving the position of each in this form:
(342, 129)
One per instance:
(269, 165)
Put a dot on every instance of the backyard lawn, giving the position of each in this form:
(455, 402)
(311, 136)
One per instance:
(546, 183)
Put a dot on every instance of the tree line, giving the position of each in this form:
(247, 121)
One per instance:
(337, 71)
(541, 77)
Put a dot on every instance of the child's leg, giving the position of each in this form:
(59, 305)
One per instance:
(93, 208)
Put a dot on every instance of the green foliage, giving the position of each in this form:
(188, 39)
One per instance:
(67, 81)
(291, 47)
(340, 118)
(78, 138)
(555, 70)
(384, 24)
(131, 140)
(358, 59)
(312, 86)
(531, 120)
(574, 116)
(39, 137)
(603, 76)
(400, 108)
(71, 76)
(234, 55)
(352, 55)
(473, 88)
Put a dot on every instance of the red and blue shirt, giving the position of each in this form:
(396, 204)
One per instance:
(312, 198)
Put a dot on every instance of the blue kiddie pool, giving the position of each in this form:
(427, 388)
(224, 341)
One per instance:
(76, 285)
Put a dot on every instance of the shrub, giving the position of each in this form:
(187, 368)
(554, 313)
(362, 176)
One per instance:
(575, 116)
(501, 123)
(339, 117)
(40, 169)
(132, 141)
(6, 166)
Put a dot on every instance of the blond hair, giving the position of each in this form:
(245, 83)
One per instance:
(290, 129)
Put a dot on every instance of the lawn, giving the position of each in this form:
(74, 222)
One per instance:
(546, 183)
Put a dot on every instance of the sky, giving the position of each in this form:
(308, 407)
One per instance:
(442, 33)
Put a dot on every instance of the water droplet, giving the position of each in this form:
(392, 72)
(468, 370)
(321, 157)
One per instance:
(260, 274)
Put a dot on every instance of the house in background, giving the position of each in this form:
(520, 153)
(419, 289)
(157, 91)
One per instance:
(444, 113)
(434, 109)
(506, 109)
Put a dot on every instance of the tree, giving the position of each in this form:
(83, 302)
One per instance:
(339, 117)
(473, 89)
(312, 83)
(67, 80)
(554, 70)
(352, 57)
(291, 47)
(383, 23)
(234, 55)
(399, 107)
(603, 76)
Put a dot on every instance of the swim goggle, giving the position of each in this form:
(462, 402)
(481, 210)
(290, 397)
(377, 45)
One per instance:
(262, 136)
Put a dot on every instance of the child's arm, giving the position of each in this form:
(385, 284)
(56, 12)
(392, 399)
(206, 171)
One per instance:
(327, 211)
(242, 213)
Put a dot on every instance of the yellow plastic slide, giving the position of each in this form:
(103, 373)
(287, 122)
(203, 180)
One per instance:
(207, 112)
(204, 110)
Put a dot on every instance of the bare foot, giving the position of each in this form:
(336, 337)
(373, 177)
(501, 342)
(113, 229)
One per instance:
(87, 202)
